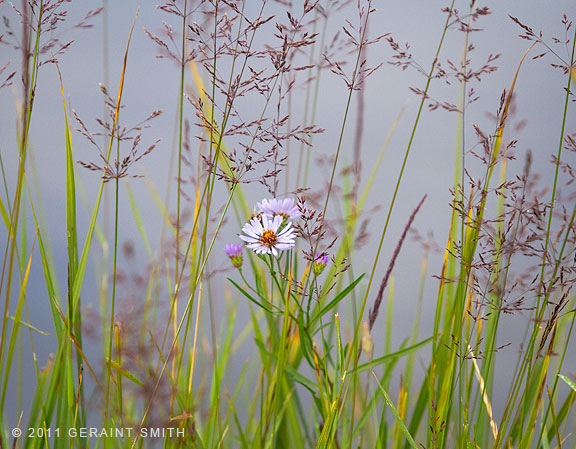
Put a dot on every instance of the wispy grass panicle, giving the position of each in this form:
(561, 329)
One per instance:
(119, 167)
(45, 17)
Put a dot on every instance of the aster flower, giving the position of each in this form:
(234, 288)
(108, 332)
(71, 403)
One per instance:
(234, 252)
(320, 262)
(285, 208)
(264, 235)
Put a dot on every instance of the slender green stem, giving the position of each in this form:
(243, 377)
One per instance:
(180, 136)
(29, 89)
(108, 405)
(396, 190)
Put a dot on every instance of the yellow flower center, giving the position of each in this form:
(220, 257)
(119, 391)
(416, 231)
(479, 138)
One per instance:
(268, 238)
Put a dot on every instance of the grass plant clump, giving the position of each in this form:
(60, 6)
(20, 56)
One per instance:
(283, 246)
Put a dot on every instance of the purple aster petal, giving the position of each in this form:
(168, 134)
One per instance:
(275, 207)
(233, 249)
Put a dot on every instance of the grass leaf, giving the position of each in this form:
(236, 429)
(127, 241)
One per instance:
(399, 420)
(255, 301)
(568, 381)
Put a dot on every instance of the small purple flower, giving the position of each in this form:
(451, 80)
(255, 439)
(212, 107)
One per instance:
(320, 262)
(234, 252)
(285, 208)
(264, 236)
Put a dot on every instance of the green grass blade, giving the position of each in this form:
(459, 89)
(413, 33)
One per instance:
(568, 381)
(399, 420)
(339, 297)
(255, 301)
(394, 355)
